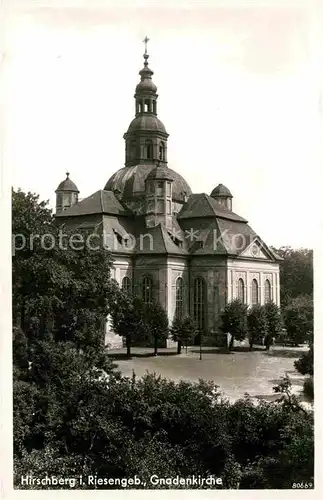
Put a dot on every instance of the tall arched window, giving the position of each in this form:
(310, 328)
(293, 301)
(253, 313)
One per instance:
(133, 150)
(149, 150)
(267, 291)
(162, 151)
(254, 292)
(199, 303)
(147, 106)
(179, 298)
(126, 284)
(147, 289)
(241, 290)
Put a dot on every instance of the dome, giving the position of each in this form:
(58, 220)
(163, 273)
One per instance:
(130, 182)
(160, 172)
(145, 123)
(67, 185)
(221, 191)
(146, 85)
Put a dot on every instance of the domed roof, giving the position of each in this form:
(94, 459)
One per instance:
(221, 191)
(67, 185)
(146, 85)
(160, 172)
(147, 122)
(129, 182)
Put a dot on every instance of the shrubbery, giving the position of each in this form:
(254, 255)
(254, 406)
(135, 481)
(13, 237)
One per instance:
(80, 419)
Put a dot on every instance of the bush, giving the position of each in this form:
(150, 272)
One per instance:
(274, 322)
(304, 364)
(183, 331)
(257, 324)
(234, 321)
(308, 388)
(298, 317)
(118, 427)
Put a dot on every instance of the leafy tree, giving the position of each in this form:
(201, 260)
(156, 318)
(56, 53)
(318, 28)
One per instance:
(304, 364)
(128, 315)
(234, 320)
(113, 426)
(298, 318)
(20, 351)
(156, 323)
(308, 388)
(183, 331)
(274, 322)
(60, 288)
(257, 324)
(296, 273)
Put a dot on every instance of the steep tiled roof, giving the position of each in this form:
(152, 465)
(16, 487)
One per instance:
(158, 241)
(101, 202)
(202, 205)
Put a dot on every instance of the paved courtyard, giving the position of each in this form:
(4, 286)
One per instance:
(235, 373)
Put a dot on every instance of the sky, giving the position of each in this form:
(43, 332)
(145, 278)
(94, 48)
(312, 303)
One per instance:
(239, 93)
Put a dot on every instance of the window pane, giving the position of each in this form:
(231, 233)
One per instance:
(199, 303)
(179, 298)
(267, 291)
(254, 292)
(241, 290)
(147, 289)
(160, 207)
(126, 284)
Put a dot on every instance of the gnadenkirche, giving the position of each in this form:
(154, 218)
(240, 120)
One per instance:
(188, 250)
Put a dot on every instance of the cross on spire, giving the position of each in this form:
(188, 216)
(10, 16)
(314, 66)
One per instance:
(146, 40)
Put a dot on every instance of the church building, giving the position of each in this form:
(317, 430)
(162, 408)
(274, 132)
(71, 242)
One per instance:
(190, 251)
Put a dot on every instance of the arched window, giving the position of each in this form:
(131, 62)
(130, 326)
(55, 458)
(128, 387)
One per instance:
(133, 150)
(267, 291)
(154, 107)
(199, 303)
(149, 150)
(179, 298)
(126, 284)
(59, 200)
(241, 290)
(147, 107)
(147, 289)
(254, 292)
(162, 151)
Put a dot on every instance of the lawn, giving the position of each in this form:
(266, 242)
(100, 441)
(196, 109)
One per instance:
(236, 373)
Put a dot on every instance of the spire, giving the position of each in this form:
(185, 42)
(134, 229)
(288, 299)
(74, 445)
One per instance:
(146, 84)
(146, 135)
(146, 40)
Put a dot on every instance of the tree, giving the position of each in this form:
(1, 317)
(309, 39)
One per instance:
(128, 317)
(274, 322)
(61, 284)
(305, 364)
(234, 321)
(183, 331)
(156, 323)
(296, 273)
(298, 318)
(257, 324)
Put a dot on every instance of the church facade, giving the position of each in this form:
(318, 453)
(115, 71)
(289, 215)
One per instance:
(190, 251)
